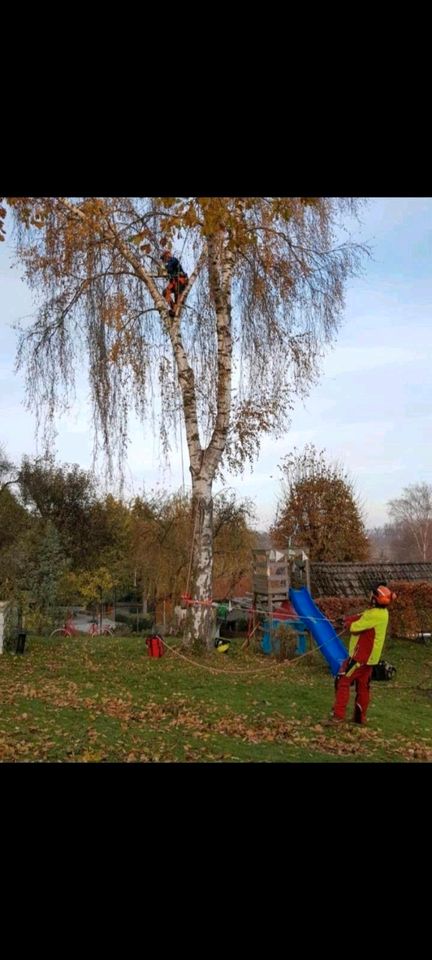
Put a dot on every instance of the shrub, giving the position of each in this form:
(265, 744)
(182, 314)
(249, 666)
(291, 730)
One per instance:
(136, 623)
(284, 642)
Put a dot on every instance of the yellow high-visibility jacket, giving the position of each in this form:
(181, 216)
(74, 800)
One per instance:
(368, 633)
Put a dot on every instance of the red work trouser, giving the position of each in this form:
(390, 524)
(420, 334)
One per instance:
(361, 676)
(175, 288)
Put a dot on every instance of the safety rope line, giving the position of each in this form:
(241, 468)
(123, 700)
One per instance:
(274, 615)
(264, 668)
(196, 603)
(191, 552)
(191, 601)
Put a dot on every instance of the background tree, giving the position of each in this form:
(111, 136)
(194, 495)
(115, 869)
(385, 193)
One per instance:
(47, 566)
(94, 587)
(8, 470)
(379, 545)
(392, 542)
(319, 510)
(162, 541)
(65, 495)
(110, 539)
(264, 298)
(14, 520)
(412, 517)
(161, 544)
(15, 526)
(15, 561)
(234, 538)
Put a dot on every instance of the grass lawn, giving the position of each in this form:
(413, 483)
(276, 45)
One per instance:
(103, 699)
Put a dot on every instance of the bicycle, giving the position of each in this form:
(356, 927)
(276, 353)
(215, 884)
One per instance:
(95, 631)
(69, 630)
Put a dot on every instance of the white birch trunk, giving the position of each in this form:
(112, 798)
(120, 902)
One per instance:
(205, 461)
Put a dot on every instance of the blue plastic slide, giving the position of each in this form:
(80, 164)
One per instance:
(324, 634)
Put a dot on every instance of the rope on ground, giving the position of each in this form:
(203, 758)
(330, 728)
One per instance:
(264, 667)
(191, 552)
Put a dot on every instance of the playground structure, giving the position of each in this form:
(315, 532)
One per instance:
(274, 595)
(273, 572)
(323, 632)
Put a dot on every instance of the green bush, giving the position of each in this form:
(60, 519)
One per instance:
(136, 623)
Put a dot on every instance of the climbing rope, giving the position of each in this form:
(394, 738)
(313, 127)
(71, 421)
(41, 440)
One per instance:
(191, 555)
(265, 667)
(277, 616)
(181, 452)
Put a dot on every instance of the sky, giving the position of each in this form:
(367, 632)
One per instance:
(371, 409)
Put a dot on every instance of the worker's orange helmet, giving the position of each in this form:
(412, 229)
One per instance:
(383, 595)
(165, 254)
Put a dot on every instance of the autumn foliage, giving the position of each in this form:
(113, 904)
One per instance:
(263, 299)
(319, 509)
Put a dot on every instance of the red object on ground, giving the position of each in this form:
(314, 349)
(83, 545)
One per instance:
(155, 646)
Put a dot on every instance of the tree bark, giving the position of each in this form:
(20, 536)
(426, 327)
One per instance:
(199, 633)
(204, 462)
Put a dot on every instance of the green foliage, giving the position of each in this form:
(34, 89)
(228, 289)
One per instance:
(146, 542)
(15, 544)
(162, 529)
(47, 566)
(136, 623)
(94, 585)
(64, 495)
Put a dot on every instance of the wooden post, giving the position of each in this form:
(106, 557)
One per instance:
(100, 611)
(308, 582)
(3, 609)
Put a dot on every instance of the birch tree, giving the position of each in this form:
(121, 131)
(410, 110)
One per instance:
(264, 298)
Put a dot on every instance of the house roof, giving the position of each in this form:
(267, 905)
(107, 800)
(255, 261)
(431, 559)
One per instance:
(357, 579)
